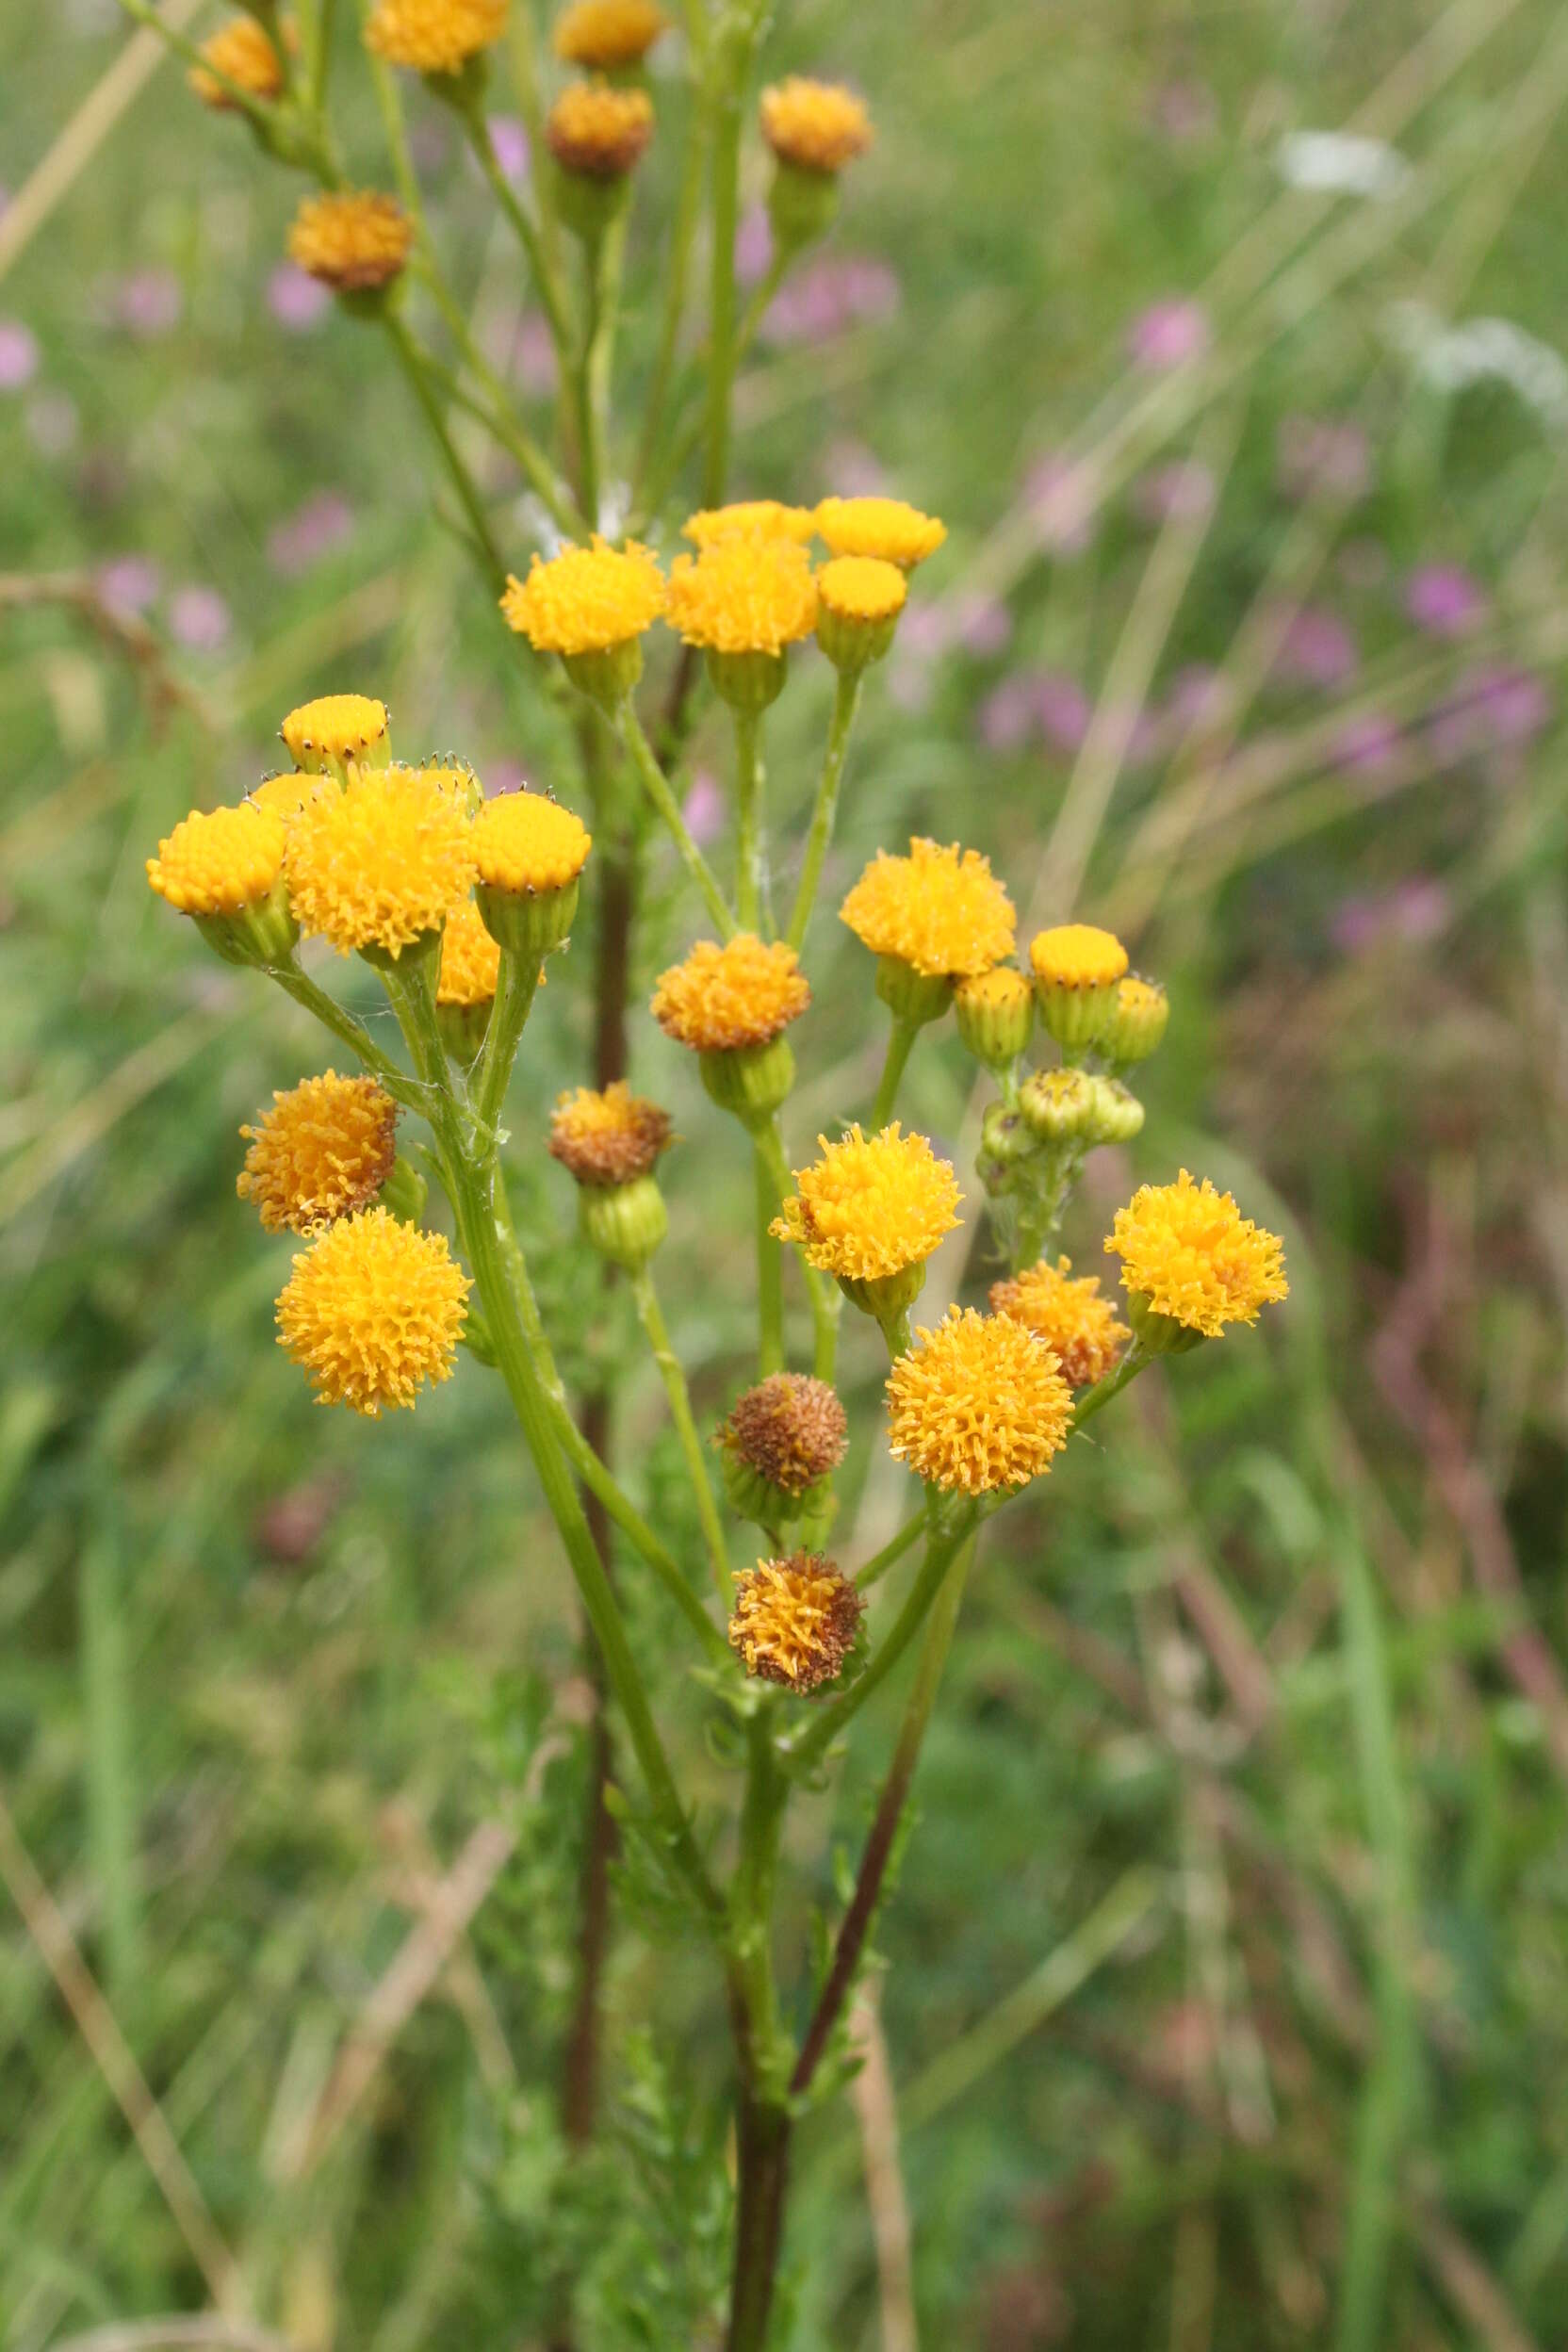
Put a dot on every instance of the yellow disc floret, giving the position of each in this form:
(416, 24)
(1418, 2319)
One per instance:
(609, 1137)
(881, 527)
(433, 36)
(795, 1620)
(470, 959)
(743, 595)
(978, 1405)
(1070, 1317)
(862, 588)
(586, 600)
(603, 34)
(242, 52)
(1189, 1253)
(940, 910)
(750, 518)
(354, 240)
(722, 999)
(599, 130)
(323, 1151)
(818, 126)
(336, 726)
(1077, 955)
(871, 1206)
(527, 844)
(381, 863)
(372, 1311)
(219, 861)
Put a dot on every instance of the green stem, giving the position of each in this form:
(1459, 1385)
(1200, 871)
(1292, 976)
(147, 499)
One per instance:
(110, 1783)
(671, 1373)
(657, 786)
(761, 298)
(412, 361)
(515, 994)
(544, 276)
(678, 273)
(724, 182)
(891, 1552)
(769, 1269)
(349, 1032)
(846, 701)
(321, 71)
(750, 852)
(1096, 1398)
(765, 2054)
(825, 1299)
(899, 1043)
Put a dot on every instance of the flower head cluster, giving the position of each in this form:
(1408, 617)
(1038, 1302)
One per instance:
(795, 1620)
(599, 130)
(219, 861)
(723, 999)
(372, 1310)
(355, 240)
(324, 1149)
(750, 518)
(790, 1429)
(434, 36)
(245, 54)
(862, 588)
(334, 728)
(609, 1137)
(381, 863)
(817, 126)
(871, 1206)
(604, 34)
(978, 1405)
(1077, 955)
(527, 844)
(1189, 1253)
(470, 966)
(743, 595)
(881, 527)
(1070, 1317)
(586, 600)
(940, 910)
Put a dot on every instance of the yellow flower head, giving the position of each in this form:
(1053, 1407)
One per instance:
(243, 52)
(885, 527)
(790, 1429)
(381, 863)
(1070, 1317)
(1187, 1252)
(372, 1311)
(818, 126)
(722, 999)
(336, 726)
(470, 959)
(1076, 956)
(750, 518)
(586, 600)
(940, 910)
(862, 588)
(977, 1405)
(873, 1205)
(608, 1138)
(433, 36)
(599, 130)
(602, 34)
(795, 1620)
(743, 595)
(527, 844)
(354, 240)
(324, 1149)
(284, 796)
(218, 862)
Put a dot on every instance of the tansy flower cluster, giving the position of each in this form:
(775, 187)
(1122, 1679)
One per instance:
(354, 241)
(219, 862)
(1188, 1254)
(373, 1310)
(795, 1620)
(939, 911)
(817, 126)
(743, 595)
(242, 53)
(608, 1136)
(434, 36)
(1075, 1322)
(586, 600)
(598, 130)
(978, 1405)
(723, 999)
(605, 34)
(871, 1206)
(324, 1149)
(380, 864)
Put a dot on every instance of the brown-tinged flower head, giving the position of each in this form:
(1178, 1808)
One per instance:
(722, 999)
(978, 1405)
(871, 1206)
(818, 126)
(527, 844)
(354, 240)
(609, 1137)
(862, 588)
(470, 959)
(243, 52)
(219, 862)
(372, 1310)
(750, 518)
(602, 35)
(1077, 955)
(1189, 1253)
(1070, 1317)
(586, 600)
(381, 863)
(790, 1429)
(885, 527)
(795, 1620)
(323, 1151)
(743, 595)
(599, 130)
(940, 910)
(433, 36)
(337, 727)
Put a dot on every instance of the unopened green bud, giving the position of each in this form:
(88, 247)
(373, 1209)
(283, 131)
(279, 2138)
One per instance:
(624, 1223)
(912, 997)
(996, 1016)
(1058, 1106)
(748, 682)
(1136, 1022)
(1116, 1116)
(749, 1081)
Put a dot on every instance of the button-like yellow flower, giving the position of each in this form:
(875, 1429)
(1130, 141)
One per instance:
(434, 36)
(996, 1015)
(244, 52)
(750, 518)
(372, 1310)
(322, 1151)
(381, 864)
(528, 845)
(285, 794)
(1190, 1257)
(1070, 1317)
(608, 1137)
(1136, 1022)
(602, 35)
(860, 598)
(598, 130)
(940, 910)
(872, 1207)
(334, 729)
(356, 241)
(795, 1620)
(470, 960)
(817, 126)
(1076, 970)
(743, 595)
(219, 862)
(586, 600)
(881, 527)
(723, 1000)
(978, 1405)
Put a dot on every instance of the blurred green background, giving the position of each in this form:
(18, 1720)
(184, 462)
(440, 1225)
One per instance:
(1246, 640)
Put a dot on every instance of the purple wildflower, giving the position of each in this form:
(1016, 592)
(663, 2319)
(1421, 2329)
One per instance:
(1168, 335)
